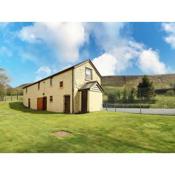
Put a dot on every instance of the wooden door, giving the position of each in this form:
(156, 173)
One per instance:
(28, 102)
(44, 103)
(84, 101)
(67, 104)
(40, 103)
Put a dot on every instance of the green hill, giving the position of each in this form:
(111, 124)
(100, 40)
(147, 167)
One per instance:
(159, 81)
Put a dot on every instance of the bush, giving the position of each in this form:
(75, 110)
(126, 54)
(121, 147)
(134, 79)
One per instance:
(112, 97)
(125, 96)
(170, 93)
(118, 93)
(132, 95)
(128, 95)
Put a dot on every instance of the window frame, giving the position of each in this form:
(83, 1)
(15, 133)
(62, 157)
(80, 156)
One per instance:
(51, 98)
(91, 76)
(38, 85)
(51, 81)
(61, 84)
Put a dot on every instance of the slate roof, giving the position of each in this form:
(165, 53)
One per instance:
(90, 84)
(72, 67)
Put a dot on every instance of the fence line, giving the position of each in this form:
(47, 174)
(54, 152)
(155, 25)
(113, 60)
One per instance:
(114, 106)
(11, 98)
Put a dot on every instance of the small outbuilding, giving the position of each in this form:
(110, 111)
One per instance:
(76, 89)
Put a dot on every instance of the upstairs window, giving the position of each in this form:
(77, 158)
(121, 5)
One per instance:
(39, 86)
(51, 98)
(61, 84)
(51, 81)
(88, 74)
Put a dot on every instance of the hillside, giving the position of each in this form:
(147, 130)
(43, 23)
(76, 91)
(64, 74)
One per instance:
(160, 81)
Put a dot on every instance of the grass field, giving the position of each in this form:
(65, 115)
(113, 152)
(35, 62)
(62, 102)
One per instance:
(23, 130)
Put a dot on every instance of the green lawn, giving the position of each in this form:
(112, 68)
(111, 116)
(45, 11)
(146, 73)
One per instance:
(23, 130)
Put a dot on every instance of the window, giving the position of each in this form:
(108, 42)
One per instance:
(39, 86)
(88, 74)
(28, 102)
(26, 90)
(61, 83)
(51, 81)
(51, 98)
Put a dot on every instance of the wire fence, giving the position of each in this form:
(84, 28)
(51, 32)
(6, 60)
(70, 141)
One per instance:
(142, 100)
(139, 109)
(115, 106)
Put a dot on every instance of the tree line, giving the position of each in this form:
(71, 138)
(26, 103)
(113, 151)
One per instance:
(143, 92)
(5, 89)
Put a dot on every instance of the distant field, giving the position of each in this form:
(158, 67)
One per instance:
(24, 130)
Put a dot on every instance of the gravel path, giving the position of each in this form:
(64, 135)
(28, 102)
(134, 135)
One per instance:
(144, 111)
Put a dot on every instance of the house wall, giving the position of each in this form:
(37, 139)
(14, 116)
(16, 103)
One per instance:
(78, 74)
(79, 81)
(58, 93)
(94, 101)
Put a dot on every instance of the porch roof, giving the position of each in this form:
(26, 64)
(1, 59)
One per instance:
(88, 85)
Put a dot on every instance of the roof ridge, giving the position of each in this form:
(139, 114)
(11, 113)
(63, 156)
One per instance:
(57, 73)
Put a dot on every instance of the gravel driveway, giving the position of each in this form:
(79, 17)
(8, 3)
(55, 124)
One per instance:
(144, 111)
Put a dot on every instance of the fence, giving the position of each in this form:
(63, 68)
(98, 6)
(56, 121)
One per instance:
(11, 98)
(116, 106)
(141, 109)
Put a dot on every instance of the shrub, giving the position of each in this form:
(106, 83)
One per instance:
(170, 93)
(132, 95)
(125, 96)
(112, 97)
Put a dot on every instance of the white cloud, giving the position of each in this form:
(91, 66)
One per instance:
(149, 62)
(107, 35)
(43, 72)
(65, 38)
(169, 28)
(106, 64)
(122, 49)
(122, 52)
(121, 58)
(119, 52)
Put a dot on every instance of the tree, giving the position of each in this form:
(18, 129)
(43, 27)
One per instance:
(125, 96)
(112, 97)
(118, 94)
(132, 94)
(2, 92)
(4, 80)
(145, 89)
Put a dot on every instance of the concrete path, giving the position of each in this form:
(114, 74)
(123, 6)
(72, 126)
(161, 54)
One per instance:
(144, 111)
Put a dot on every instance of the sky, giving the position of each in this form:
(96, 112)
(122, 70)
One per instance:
(32, 51)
